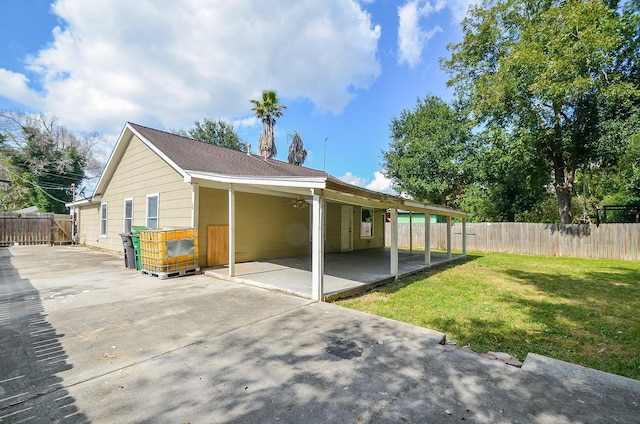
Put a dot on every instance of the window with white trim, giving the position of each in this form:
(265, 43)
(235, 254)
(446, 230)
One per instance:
(366, 223)
(128, 215)
(153, 206)
(103, 219)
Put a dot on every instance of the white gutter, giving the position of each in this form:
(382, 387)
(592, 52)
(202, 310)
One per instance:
(297, 182)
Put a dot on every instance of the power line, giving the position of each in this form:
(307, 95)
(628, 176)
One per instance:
(43, 190)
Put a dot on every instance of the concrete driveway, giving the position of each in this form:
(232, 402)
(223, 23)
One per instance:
(85, 340)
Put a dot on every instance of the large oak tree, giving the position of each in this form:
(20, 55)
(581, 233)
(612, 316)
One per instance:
(549, 72)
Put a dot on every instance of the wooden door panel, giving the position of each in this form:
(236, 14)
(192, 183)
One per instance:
(217, 245)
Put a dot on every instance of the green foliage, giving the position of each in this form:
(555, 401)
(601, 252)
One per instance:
(48, 170)
(550, 73)
(218, 133)
(429, 155)
(42, 161)
(577, 310)
(267, 110)
(511, 178)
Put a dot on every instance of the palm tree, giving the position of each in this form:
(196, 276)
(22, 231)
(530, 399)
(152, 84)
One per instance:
(267, 110)
(297, 152)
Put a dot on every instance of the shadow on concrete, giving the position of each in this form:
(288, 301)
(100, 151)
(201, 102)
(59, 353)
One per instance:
(31, 355)
(352, 372)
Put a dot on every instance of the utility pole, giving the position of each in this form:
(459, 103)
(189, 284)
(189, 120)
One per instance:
(324, 166)
(74, 215)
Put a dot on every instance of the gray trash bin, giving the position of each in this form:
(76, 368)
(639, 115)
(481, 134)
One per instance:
(129, 253)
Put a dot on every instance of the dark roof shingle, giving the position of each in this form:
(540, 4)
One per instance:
(194, 155)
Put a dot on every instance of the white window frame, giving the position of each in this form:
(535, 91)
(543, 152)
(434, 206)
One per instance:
(157, 217)
(366, 227)
(104, 215)
(124, 216)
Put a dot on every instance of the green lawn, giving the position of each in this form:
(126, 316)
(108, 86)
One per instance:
(582, 311)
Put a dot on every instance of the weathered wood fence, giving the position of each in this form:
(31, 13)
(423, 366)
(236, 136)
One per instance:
(37, 228)
(607, 241)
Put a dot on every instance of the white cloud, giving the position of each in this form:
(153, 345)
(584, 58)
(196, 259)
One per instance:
(459, 9)
(16, 86)
(349, 178)
(167, 63)
(380, 183)
(413, 15)
(411, 37)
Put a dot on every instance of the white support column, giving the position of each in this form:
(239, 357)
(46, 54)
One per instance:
(449, 255)
(317, 249)
(232, 231)
(195, 204)
(464, 237)
(394, 243)
(427, 239)
(410, 231)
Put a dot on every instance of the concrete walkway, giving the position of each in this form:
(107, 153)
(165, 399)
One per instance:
(86, 341)
(346, 273)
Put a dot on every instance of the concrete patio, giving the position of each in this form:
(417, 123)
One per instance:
(345, 274)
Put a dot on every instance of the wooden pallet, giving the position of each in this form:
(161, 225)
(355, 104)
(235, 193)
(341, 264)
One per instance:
(172, 274)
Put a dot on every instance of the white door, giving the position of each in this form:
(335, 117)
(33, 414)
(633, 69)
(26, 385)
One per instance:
(346, 229)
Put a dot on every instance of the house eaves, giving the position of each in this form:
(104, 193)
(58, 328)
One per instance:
(293, 182)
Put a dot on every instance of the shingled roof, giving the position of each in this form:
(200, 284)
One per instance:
(191, 155)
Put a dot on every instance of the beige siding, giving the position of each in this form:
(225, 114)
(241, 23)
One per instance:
(140, 173)
(270, 227)
(377, 240)
(213, 211)
(266, 226)
(333, 228)
(89, 225)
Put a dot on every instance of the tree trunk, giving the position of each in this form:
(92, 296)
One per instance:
(563, 170)
(563, 194)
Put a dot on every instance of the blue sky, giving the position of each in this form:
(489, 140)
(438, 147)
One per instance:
(343, 68)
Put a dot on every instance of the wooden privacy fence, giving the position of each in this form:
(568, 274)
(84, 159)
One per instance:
(607, 241)
(37, 228)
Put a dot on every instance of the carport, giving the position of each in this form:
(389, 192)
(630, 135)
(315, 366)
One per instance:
(323, 275)
(332, 274)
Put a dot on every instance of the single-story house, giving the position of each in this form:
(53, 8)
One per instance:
(245, 207)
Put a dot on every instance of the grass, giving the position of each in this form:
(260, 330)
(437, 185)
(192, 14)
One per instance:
(578, 310)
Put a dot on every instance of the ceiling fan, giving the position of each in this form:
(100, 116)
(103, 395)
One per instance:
(298, 203)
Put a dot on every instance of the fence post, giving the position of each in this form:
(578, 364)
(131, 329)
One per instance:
(449, 255)
(53, 229)
(427, 239)
(464, 237)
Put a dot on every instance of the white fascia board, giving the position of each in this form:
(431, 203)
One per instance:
(297, 182)
(84, 202)
(115, 156)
